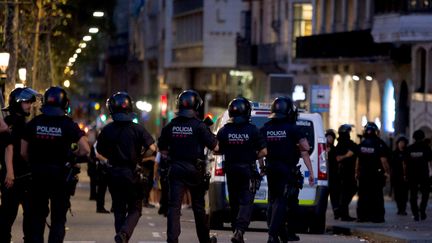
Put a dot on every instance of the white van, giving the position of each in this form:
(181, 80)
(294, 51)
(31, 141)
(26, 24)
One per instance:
(312, 200)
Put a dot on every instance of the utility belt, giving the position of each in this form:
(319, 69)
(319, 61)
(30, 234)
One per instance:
(72, 171)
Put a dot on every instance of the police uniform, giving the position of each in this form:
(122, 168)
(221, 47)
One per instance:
(184, 140)
(348, 183)
(5, 232)
(281, 160)
(20, 192)
(240, 143)
(419, 155)
(49, 143)
(398, 182)
(371, 179)
(283, 174)
(122, 142)
(334, 177)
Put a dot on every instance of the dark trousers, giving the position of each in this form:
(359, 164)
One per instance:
(370, 204)
(334, 192)
(101, 188)
(348, 189)
(126, 199)
(400, 189)
(163, 202)
(11, 199)
(283, 206)
(176, 190)
(49, 191)
(240, 200)
(421, 185)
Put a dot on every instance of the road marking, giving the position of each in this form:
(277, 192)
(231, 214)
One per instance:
(156, 235)
(152, 224)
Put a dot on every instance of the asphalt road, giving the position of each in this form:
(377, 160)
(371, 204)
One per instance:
(85, 225)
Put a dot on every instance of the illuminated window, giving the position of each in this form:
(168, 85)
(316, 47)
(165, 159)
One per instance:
(302, 24)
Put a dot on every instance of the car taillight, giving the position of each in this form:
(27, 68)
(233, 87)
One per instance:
(322, 162)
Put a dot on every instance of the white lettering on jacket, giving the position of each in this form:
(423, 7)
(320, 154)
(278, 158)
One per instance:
(367, 150)
(182, 130)
(50, 131)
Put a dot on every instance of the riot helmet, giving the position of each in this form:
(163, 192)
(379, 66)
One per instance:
(55, 102)
(371, 129)
(120, 107)
(239, 110)
(283, 108)
(19, 95)
(188, 103)
(418, 135)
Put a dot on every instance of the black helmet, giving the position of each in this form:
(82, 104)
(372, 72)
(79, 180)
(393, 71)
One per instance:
(371, 129)
(283, 107)
(345, 128)
(330, 132)
(419, 135)
(188, 103)
(239, 110)
(19, 95)
(55, 102)
(120, 107)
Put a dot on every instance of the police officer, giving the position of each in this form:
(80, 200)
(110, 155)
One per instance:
(20, 102)
(46, 143)
(334, 177)
(285, 144)
(398, 182)
(419, 155)
(121, 143)
(182, 143)
(372, 171)
(242, 144)
(346, 156)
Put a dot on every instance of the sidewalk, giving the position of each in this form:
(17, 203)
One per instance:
(395, 229)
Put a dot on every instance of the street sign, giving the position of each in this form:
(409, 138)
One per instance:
(320, 98)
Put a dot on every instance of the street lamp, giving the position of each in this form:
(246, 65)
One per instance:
(87, 38)
(22, 75)
(98, 14)
(4, 63)
(93, 30)
(66, 83)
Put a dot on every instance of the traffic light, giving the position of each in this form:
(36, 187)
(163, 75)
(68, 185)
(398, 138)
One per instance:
(164, 105)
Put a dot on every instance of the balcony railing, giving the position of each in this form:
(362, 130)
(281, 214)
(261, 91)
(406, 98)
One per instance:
(272, 53)
(402, 6)
(246, 54)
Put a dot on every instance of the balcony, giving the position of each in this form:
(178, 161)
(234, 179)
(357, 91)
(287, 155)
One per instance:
(185, 6)
(354, 44)
(402, 21)
(246, 54)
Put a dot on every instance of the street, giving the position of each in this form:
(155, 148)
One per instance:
(87, 226)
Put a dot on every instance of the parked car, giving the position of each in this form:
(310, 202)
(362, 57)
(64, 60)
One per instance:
(312, 200)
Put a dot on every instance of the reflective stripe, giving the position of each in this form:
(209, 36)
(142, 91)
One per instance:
(306, 202)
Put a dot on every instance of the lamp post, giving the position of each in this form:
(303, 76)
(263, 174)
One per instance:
(4, 63)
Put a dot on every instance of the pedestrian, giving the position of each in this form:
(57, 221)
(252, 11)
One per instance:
(398, 182)
(242, 144)
(346, 156)
(372, 170)
(285, 144)
(101, 179)
(334, 177)
(121, 143)
(419, 157)
(181, 143)
(20, 103)
(47, 141)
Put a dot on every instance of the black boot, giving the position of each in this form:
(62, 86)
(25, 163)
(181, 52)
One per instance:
(237, 237)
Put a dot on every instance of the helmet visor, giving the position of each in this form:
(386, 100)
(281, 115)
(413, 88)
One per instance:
(27, 94)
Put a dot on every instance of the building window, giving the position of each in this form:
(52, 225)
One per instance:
(420, 5)
(188, 29)
(421, 70)
(302, 23)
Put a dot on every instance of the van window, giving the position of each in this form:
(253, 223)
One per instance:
(259, 121)
(307, 128)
